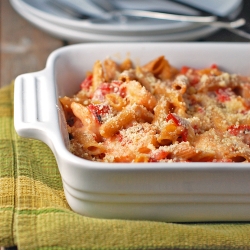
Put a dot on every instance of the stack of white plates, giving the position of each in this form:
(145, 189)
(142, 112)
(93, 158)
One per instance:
(58, 23)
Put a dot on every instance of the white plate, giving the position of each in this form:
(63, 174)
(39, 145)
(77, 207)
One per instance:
(229, 8)
(41, 9)
(80, 36)
(139, 30)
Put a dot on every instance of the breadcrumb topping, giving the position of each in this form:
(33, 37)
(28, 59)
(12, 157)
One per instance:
(157, 113)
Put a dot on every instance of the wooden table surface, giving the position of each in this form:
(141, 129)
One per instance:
(24, 48)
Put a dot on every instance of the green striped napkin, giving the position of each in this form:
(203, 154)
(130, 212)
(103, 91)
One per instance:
(35, 215)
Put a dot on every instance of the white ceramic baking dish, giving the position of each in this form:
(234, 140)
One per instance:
(180, 192)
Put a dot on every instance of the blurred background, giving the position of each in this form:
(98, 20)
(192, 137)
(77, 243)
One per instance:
(29, 36)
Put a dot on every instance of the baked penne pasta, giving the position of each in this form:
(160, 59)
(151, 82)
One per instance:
(157, 113)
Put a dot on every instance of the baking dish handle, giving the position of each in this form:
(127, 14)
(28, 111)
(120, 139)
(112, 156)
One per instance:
(35, 107)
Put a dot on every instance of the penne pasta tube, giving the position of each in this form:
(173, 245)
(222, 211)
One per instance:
(139, 95)
(88, 142)
(126, 65)
(124, 118)
(160, 67)
(184, 151)
(110, 69)
(98, 75)
(115, 101)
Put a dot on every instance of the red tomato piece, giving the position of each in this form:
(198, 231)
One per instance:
(223, 94)
(184, 135)
(98, 111)
(235, 130)
(107, 88)
(87, 82)
(194, 79)
(172, 117)
(113, 87)
(184, 70)
(214, 66)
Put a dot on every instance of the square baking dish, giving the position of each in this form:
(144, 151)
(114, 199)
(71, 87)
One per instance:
(171, 192)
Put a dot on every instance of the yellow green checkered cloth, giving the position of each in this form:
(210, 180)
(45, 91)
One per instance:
(35, 215)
